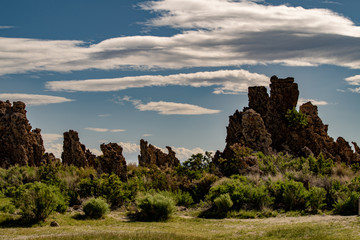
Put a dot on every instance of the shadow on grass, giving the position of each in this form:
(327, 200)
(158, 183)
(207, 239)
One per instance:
(17, 222)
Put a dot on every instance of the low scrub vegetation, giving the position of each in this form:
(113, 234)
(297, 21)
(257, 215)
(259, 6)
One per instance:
(276, 184)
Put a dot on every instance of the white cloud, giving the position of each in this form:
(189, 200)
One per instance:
(313, 101)
(228, 82)
(33, 99)
(354, 80)
(181, 152)
(104, 115)
(52, 143)
(55, 148)
(355, 90)
(169, 108)
(117, 130)
(147, 135)
(212, 33)
(184, 153)
(104, 130)
(97, 129)
(6, 27)
(51, 137)
(129, 147)
(96, 151)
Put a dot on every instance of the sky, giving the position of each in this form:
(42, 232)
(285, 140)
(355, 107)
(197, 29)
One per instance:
(172, 71)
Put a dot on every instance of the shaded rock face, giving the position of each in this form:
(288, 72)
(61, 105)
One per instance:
(112, 160)
(18, 143)
(246, 128)
(150, 155)
(75, 153)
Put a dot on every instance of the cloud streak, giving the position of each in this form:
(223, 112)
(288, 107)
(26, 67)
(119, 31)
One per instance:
(313, 101)
(212, 33)
(228, 82)
(33, 99)
(168, 108)
(104, 130)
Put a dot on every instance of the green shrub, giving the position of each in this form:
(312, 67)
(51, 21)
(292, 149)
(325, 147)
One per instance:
(223, 204)
(289, 195)
(95, 208)
(155, 206)
(316, 198)
(38, 200)
(295, 118)
(243, 193)
(348, 206)
(183, 198)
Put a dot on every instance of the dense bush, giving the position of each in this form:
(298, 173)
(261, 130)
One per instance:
(243, 193)
(96, 208)
(38, 200)
(155, 206)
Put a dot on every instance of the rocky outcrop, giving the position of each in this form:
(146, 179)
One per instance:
(274, 132)
(18, 143)
(75, 153)
(150, 155)
(112, 160)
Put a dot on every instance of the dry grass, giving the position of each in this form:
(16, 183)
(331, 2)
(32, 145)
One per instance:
(117, 226)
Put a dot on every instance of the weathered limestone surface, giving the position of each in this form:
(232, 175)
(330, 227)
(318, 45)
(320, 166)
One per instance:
(18, 144)
(113, 160)
(274, 133)
(150, 155)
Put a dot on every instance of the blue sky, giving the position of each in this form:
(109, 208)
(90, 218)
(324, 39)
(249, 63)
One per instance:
(172, 71)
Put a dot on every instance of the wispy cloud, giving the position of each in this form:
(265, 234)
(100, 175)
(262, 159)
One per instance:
(212, 33)
(6, 27)
(228, 82)
(354, 80)
(169, 108)
(33, 99)
(104, 130)
(313, 101)
(104, 115)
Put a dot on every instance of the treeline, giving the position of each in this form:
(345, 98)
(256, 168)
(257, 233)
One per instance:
(249, 185)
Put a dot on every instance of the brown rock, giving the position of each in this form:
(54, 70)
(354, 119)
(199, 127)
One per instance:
(245, 128)
(75, 153)
(18, 144)
(113, 161)
(150, 155)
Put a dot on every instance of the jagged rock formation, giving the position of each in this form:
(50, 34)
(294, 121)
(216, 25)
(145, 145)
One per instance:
(274, 132)
(112, 160)
(150, 155)
(18, 144)
(75, 153)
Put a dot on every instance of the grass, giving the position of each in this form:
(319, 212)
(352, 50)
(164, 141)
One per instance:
(116, 226)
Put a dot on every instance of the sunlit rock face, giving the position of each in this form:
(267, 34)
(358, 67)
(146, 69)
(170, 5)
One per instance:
(18, 143)
(273, 133)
